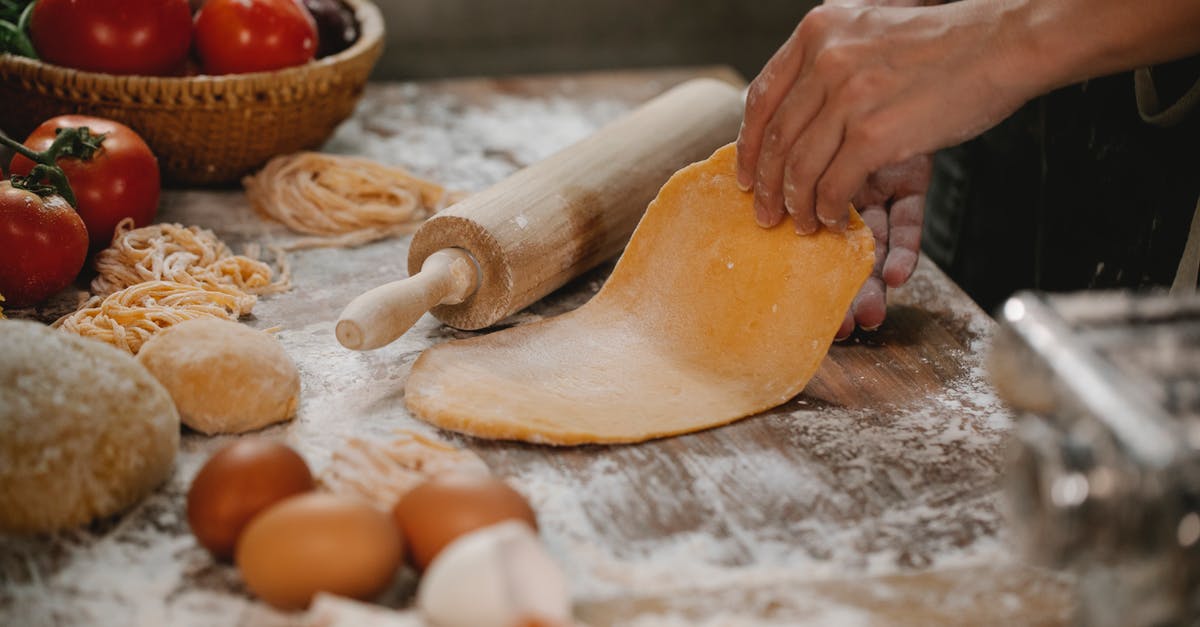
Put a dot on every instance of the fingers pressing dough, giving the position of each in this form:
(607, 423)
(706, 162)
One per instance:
(84, 430)
(225, 377)
(706, 318)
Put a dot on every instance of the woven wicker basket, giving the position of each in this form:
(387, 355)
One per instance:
(204, 129)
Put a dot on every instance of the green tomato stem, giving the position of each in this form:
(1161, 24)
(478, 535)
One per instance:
(20, 148)
(42, 172)
(78, 143)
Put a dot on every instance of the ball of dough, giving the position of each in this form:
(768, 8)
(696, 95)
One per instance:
(84, 430)
(225, 377)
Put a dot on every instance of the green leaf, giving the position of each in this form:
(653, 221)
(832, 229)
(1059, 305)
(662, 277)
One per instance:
(13, 41)
(14, 28)
(11, 10)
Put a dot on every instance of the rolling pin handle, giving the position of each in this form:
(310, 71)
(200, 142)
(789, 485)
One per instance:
(380, 316)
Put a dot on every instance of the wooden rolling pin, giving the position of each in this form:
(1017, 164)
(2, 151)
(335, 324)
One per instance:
(496, 252)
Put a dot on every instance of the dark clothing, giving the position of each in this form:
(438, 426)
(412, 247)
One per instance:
(1073, 191)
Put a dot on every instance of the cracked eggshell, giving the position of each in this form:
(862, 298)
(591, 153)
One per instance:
(498, 576)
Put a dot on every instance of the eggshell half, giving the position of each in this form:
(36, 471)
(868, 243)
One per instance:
(498, 576)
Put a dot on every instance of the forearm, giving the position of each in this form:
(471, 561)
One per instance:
(885, 3)
(1059, 42)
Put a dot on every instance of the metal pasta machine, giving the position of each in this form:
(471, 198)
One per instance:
(1105, 473)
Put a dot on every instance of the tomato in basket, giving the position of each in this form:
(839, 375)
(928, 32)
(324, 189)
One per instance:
(118, 180)
(240, 36)
(147, 37)
(337, 28)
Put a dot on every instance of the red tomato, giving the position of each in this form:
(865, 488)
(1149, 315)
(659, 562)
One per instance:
(120, 181)
(146, 37)
(43, 244)
(239, 36)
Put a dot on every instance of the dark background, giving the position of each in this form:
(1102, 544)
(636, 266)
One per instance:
(440, 38)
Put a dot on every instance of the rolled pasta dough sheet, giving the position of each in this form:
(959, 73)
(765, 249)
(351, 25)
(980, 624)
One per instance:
(707, 318)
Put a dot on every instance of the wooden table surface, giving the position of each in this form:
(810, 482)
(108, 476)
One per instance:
(872, 498)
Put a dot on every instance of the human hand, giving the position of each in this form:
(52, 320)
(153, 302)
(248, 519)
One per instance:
(892, 203)
(857, 88)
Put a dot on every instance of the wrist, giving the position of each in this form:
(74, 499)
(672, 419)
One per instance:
(1030, 56)
(1054, 51)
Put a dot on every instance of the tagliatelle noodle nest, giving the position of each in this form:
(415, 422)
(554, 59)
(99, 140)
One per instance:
(187, 255)
(382, 471)
(129, 317)
(157, 276)
(346, 201)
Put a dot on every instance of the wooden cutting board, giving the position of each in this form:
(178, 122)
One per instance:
(872, 498)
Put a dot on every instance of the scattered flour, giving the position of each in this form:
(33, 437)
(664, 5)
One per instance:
(467, 145)
(860, 491)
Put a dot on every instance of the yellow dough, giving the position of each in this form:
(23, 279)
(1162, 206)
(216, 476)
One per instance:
(224, 377)
(706, 318)
(85, 432)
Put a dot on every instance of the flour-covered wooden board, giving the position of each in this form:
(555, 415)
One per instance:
(872, 497)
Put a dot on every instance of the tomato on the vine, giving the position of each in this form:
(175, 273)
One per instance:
(239, 36)
(43, 245)
(120, 180)
(148, 37)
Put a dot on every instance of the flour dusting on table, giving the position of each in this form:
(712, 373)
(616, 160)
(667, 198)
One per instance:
(826, 528)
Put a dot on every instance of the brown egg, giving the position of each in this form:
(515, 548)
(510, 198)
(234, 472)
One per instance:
(447, 506)
(238, 482)
(319, 542)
